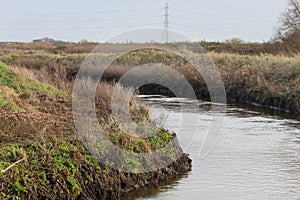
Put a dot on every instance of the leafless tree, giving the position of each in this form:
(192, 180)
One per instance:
(289, 21)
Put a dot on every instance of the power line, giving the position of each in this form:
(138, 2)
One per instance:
(97, 20)
(83, 28)
(78, 13)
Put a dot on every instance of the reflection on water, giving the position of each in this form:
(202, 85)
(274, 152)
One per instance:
(256, 157)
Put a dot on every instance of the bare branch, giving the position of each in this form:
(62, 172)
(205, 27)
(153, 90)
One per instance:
(14, 164)
(289, 21)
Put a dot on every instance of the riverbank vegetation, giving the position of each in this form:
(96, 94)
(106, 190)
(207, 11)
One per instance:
(270, 80)
(41, 153)
(42, 157)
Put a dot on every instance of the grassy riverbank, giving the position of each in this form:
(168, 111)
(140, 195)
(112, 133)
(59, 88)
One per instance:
(270, 80)
(42, 157)
(40, 152)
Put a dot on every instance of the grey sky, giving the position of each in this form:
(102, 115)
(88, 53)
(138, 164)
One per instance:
(98, 20)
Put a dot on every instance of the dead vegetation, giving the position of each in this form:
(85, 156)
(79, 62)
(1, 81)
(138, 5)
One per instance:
(272, 81)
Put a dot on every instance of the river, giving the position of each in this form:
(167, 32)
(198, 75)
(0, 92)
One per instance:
(257, 155)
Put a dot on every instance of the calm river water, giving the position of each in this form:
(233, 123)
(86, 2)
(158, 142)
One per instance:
(257, 155)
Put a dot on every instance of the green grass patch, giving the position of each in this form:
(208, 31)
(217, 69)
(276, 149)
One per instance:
(8, 78)
(15, 85)
(20, 84)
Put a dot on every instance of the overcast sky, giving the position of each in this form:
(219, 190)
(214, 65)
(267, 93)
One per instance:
(97, 20)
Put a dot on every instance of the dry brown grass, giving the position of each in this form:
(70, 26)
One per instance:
(12, 99)
(249, 48)
(266, 75)
(23, 72)
(31, 46)
(78, 48)
(274, 73)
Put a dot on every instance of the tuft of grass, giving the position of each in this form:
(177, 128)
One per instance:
(9, 99)
(18, 188)
(8, 78)
(12, 85)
